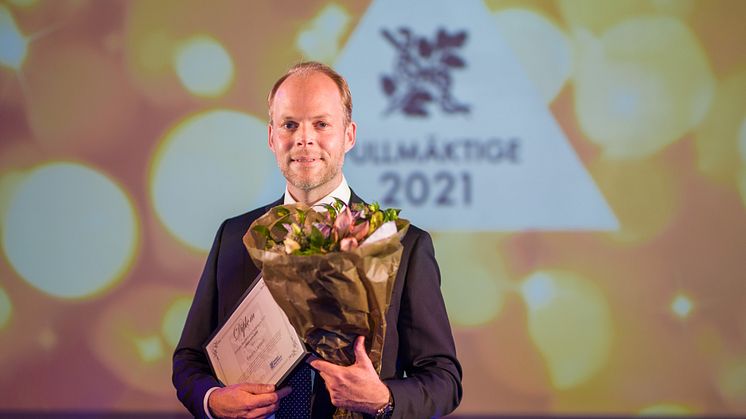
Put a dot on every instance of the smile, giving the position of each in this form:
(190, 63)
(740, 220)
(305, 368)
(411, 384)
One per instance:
(305, 159)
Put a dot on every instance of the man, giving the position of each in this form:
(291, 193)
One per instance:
(310, 130)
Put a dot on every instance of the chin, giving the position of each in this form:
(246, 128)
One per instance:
(308, 183)
(304, 182)
(305, 186)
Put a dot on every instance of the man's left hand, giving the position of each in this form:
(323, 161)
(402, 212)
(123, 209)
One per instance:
(356, 387)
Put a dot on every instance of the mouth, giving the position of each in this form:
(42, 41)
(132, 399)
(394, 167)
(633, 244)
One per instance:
(305, 159)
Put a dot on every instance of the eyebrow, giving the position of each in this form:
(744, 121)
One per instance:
(319, 116)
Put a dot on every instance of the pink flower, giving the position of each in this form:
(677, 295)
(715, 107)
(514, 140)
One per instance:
(343, 223)
(347, 244)
(359, 231)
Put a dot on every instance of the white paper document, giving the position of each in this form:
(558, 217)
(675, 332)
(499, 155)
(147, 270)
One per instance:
(257, 344)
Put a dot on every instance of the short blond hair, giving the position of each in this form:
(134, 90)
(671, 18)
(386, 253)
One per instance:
(309, 67)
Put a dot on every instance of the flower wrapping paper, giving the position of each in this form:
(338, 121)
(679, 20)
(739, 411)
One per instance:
(332, 298)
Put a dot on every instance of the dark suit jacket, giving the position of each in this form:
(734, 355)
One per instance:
(419, 362)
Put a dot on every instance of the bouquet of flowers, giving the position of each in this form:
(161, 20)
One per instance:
(332, 272)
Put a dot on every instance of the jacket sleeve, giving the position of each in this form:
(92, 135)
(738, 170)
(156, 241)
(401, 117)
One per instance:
(431, 386)
(192, 374)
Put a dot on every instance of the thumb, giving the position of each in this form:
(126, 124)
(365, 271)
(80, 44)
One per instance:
(361, 357)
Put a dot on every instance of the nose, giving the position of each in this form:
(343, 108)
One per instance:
(304, 135)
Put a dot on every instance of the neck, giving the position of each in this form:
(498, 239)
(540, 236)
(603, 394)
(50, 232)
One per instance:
(310, 197)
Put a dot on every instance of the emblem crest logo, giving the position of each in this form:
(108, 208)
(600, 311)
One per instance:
(422, 75)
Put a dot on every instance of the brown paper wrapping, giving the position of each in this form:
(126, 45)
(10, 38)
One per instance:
(332, 298)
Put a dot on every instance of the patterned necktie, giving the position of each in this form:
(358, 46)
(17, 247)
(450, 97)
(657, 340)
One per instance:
(298, 403)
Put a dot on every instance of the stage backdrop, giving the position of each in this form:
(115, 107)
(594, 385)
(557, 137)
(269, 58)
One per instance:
(581, 166)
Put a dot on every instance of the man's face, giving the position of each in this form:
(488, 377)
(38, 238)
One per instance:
(308, 135)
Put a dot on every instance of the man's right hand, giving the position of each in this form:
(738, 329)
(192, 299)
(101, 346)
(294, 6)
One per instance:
(246, 400)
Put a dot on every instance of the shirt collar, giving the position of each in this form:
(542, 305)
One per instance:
(342, 192)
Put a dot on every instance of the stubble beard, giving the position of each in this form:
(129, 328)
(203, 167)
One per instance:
(308, 181)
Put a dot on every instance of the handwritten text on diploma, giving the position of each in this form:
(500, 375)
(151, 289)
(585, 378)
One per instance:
(239, 331)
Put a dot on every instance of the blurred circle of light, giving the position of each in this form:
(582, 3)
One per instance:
(742, 140)
(666, 409)
(742, 185)
(570, 323)
(6, 309)
(150, 348)
(645, 196)
(742, 149)
(634, 94)
(24, 3)
(173, 321)
(539, 291)
(682, 306)
(321, 41)
(540, 46)
(204, 66)
(47, 339)
(717, 137)
(207, 168)
(125, 337)
(150, 54)
(69, 230)
(13, 45)
(471, 292)
(78, 101)
(599, 15)
(732, 381)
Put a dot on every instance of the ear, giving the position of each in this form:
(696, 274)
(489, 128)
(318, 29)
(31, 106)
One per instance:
(350, 133)
(270, 141)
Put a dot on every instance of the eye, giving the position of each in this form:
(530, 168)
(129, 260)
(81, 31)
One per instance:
(322, 124)
(289, 125)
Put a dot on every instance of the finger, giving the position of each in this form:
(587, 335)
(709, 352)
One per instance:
(267, 399)
(256, 388)
(265, 411)
(284, 392)
(311, 358)
(322, 366)
(361, 357)
(360, 347)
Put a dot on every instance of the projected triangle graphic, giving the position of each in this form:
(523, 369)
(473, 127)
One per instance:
(451, 129)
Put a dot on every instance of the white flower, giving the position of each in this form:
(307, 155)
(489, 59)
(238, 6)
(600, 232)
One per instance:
(291, 245)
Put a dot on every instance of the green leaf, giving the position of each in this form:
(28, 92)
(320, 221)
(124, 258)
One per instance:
(277, 230)
(375, 221)
(301, 217)
(392, 214)
(262, 230)
(339, 204)
(281, 211)
(316, 239)
(330, 209)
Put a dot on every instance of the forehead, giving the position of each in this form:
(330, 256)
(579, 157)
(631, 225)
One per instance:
(300, 95)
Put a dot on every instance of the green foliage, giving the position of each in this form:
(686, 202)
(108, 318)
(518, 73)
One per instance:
(307, 232)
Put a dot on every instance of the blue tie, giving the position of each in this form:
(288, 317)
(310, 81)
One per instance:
(298, 403)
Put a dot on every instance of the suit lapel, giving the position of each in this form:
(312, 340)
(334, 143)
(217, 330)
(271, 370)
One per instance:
(250, 270)
(354, 199)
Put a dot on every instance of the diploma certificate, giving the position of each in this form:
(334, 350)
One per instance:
(257, 344)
